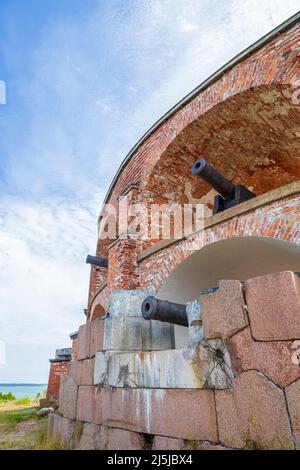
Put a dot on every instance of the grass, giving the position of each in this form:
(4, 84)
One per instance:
(15, 412)
(17, 415)
(39, 440)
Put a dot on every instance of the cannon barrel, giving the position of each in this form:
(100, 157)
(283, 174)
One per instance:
(162, 310)
(222, 185)
(97, 261)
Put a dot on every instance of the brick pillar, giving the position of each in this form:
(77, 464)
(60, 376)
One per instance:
(58, 367)
(123, 270)
(57, 370)
(98, 274)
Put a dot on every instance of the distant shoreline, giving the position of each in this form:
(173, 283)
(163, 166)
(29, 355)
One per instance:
(21, 384)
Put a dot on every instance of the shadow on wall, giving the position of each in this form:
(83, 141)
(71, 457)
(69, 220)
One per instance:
(236, 258)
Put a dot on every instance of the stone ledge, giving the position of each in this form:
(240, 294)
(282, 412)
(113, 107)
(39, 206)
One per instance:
(206, 366)
(267, 198)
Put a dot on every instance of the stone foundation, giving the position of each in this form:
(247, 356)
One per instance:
(216, 394)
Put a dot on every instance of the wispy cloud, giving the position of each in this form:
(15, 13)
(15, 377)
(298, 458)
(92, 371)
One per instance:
(96, 83)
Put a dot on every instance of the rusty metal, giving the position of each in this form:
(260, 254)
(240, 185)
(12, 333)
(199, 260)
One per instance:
(162, 310)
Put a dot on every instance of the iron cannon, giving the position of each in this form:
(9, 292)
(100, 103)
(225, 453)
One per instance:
(97, 261)
(162, 310)
(229, 194)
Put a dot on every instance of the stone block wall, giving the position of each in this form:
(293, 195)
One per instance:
(251, 333)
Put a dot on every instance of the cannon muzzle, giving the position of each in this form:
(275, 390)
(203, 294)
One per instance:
(221, 184)
(97, 261)
(162, 310)
(229, 194)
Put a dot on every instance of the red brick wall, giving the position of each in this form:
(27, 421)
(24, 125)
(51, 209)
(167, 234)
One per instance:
(244, 123)
(239, 122)
(57, 369)
(279, 220)
(275, 63)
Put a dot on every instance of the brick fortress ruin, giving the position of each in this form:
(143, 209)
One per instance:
(231, 377)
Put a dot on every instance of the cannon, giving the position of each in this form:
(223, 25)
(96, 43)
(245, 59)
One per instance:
(229, 194)
(97, 261)
(162, 310)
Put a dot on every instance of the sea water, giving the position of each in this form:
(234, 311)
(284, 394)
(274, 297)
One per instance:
(24, 390)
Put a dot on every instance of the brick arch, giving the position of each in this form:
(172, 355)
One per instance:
(251, 138)
(275, 65)
(279, 220)
(98, 303)
(245, 107)
(98, 311)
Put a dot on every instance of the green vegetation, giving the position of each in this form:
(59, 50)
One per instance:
(39, 440)
(21, 428)
(250, 444)
(23, 401)
(191, 444)
(4, 397)
(18, 415)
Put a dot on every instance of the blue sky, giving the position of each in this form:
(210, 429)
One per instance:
(85, 79)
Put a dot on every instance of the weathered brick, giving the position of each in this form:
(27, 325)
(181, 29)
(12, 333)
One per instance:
(57, 370)
(234, 104)
(68, 397)
(253, 414)
(274, 358)
(83, 351)
(187, 414)
(223, 312)
(273, 303)
(89, 404)
(256, 87)
(293, 399)
(96, 336)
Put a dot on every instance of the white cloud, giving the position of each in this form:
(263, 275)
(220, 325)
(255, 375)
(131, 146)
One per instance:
(98, 82)
(43, 280)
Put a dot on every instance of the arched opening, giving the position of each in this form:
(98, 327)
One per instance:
(97, 312)
(235, 258)
(251, 138)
